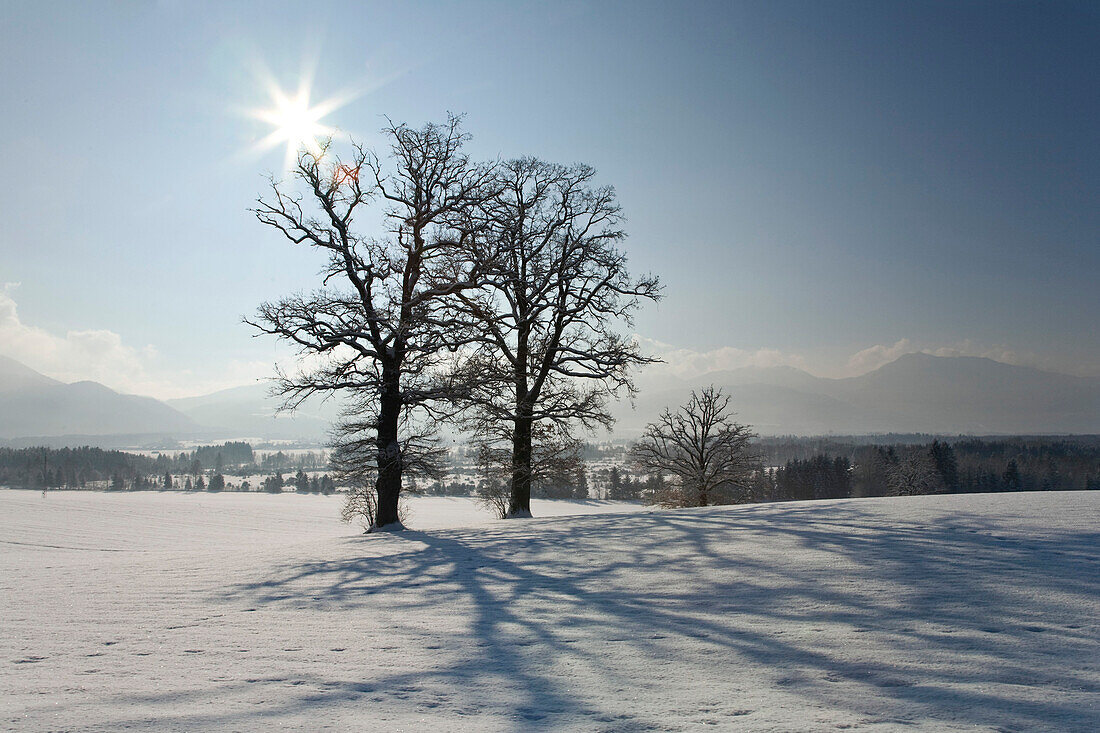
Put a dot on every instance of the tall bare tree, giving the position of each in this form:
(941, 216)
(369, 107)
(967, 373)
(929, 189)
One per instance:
(556, 459)
(558, 290)
(709, 456)
(380, 325)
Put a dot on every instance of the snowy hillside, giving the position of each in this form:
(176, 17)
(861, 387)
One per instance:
(228, 612)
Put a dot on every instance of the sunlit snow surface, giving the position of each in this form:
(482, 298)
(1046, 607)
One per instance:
(226, 612)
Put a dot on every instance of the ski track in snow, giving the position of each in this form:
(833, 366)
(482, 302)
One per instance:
(250, 613)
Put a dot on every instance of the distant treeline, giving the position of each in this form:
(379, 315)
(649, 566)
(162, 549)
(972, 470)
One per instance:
(219, 456)
(792, 469)
(816, 468)
(68, 467)
(87, 467)
(239, 459)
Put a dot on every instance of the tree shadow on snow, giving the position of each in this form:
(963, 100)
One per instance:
(959, 620)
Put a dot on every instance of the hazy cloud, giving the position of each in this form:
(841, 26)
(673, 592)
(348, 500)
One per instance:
(101, 356)
(686, 363)
(875, 356)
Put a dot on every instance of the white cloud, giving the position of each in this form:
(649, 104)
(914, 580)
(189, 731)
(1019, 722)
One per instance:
(875, 356)
(101, 356)
(686, 363)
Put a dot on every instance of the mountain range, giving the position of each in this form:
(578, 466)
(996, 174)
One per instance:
(917, 393)
(250, 411)
(33, 405)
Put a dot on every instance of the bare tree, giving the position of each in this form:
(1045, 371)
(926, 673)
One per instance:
(354, 466)
(709, 456)
(380, 325)
(555, 459)
(492, 490)
(914, 473)
(550, 355)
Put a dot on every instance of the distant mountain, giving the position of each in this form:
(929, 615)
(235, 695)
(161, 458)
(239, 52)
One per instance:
(18, 377)
(917, 393)
(250, 412)
(33, 405)
(973, 395)
(778, 376)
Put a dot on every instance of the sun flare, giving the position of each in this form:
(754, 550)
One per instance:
(296, 122)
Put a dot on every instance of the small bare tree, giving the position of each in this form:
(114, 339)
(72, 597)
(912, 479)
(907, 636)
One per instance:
(709, 456)
(492, 490)
(384, 336)
(558, 289)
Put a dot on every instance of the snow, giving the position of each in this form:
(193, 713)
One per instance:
(170, 611)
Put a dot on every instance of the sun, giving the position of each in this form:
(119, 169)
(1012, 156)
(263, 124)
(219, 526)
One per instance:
(296, 122)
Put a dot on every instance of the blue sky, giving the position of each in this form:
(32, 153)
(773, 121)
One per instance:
(818, 184)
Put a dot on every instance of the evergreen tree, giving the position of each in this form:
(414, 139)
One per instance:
(580, 486)
(763, 485)
(273, 484)
(654, 487)
(1052, 478)
(614, 483)
(943, 456)
(620, 488)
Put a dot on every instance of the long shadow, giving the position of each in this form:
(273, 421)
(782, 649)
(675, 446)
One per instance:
(974, 612)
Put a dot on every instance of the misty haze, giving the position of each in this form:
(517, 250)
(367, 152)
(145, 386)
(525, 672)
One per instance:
(532, 367)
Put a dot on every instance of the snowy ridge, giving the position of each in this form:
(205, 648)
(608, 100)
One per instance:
(926, 613)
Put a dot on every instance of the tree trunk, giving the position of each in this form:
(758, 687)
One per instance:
(388, 483)
(520, 503)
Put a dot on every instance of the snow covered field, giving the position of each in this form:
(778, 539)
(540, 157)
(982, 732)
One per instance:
(168, 611)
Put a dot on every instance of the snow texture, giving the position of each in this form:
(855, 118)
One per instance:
(226, 612)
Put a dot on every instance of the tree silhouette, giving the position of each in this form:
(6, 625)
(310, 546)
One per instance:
(380, 326)
(557, 289)
(709, 456)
